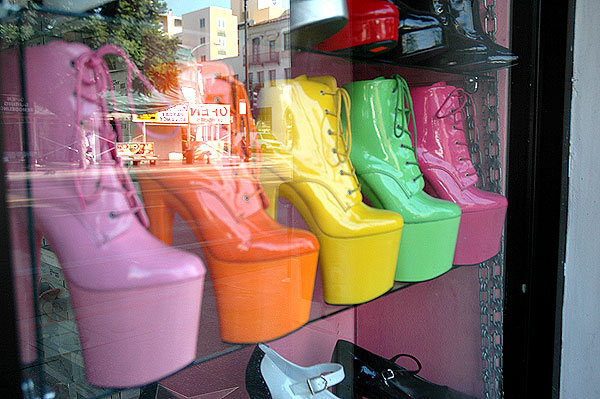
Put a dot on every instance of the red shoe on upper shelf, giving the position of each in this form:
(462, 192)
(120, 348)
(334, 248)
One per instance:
(372, 29)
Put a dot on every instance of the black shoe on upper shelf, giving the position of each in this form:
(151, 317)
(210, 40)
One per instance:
(373, 377)
(438, 45)
(420, 35)
(462, 19)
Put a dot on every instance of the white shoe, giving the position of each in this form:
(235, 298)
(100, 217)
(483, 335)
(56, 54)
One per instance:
(270, 376)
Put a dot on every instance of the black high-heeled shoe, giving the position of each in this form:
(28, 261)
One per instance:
(466, 15)
(462, 20)
(373, 377)
(420, 35)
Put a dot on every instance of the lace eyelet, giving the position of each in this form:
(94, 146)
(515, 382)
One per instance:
(322, 93)
(334, 150)
(326, 112)
(398, 127)
(246, 198)
(467, 174)
(72, 64)
(456, 142)
(460, 159)
(349, 192)
(405, 162)
(329, 132)
(112, 214)
(341, 173)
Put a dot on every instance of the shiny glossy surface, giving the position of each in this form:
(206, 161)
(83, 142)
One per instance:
(262, 273)
(224, 206)
(442, 150)
(304, 115)
(420, 34)
(219, 89)
(444, 158)
(383, 152)
(303, 120)
(372, 24)
(311, 23)
(371, 376)
(123, 283)
(466, 15)
(387, 168)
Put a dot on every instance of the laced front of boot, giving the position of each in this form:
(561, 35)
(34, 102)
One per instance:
(403, 113)
(93, 84)
(343, 136)
(453, 113)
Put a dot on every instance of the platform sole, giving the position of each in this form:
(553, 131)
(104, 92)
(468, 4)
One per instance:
(479, 236)
(426, 249)
(134, 337)
(353, 270)
(262, 301)
(256, 301)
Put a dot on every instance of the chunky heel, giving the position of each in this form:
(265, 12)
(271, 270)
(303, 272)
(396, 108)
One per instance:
(305, 115)
(262, 272)
(160, 214)
(347, 269)
(387, 168)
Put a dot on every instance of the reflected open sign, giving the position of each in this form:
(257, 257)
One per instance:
(210, 114)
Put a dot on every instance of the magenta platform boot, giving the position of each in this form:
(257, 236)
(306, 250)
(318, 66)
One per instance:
(444, 159)
(136, 300)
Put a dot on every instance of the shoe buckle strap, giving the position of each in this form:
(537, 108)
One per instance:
(328, 376)
(317, 384)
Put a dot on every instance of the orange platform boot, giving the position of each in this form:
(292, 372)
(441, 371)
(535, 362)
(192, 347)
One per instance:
(263, 273)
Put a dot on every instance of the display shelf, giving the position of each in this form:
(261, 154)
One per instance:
(481, 72)
(61, 343)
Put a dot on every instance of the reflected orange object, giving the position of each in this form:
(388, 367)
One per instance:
(263, 273)
(221, 89)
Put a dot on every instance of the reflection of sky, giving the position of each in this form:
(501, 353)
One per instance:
(180, 7)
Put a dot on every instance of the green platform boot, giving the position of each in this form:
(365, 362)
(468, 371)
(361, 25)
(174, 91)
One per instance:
(386, 164)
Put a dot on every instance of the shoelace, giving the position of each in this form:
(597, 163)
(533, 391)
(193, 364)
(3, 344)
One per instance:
(460, 98)
(343, 137)
(93, 61)
(404, 105)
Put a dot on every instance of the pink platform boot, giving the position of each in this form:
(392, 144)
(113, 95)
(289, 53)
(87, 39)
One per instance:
(136, 300)
(444, 159)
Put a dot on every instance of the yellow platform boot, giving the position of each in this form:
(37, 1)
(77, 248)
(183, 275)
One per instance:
(359, 244)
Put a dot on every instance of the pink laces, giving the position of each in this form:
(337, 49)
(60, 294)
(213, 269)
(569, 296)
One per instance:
(100, 78)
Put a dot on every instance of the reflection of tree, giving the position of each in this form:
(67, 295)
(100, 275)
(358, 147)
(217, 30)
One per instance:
(131, 24)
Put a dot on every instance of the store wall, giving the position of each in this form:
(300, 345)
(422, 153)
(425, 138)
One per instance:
(581, 314)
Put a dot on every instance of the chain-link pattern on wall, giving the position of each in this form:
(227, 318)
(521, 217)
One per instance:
(486, 154)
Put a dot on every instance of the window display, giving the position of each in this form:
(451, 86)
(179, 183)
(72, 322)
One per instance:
(170, 216)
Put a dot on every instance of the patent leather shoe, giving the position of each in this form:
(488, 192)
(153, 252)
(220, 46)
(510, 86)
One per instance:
(373, 377)
(420, 34)
(270, 376)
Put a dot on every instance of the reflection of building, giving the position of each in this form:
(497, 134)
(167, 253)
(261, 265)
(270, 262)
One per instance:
(258, 10)
(171, 24)
(211, 33)
(268, 52)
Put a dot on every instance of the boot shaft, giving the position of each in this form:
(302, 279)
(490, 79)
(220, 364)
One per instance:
(440, 118)
(303, 115)
(381, 114)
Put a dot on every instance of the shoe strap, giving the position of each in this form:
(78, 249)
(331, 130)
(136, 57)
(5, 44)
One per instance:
(325, 375)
